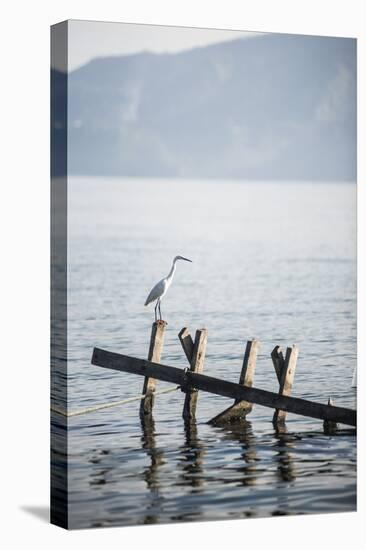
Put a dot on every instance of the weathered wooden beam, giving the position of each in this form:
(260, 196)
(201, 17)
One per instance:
(239, 410)
(143, 367)
(196, 358)
(155, 349)
(287, 375)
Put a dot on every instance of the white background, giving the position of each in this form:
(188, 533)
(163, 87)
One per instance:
(24, 253)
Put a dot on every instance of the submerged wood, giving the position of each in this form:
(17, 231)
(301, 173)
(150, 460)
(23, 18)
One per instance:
(155, 349)
(239, 410)
(329, 426)
(195, 353)
(143, 367)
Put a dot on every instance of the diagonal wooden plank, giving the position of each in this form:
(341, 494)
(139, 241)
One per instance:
(143, 367)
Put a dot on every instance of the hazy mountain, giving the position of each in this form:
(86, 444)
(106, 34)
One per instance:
(274, 106)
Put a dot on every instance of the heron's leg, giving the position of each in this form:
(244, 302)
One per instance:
(155, 310)
(160, 311)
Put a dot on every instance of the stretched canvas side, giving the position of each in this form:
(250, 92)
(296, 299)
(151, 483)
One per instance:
(59, 501)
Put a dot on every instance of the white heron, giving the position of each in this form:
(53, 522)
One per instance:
(160, 289)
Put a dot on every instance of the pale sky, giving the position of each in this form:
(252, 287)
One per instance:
(90, 39)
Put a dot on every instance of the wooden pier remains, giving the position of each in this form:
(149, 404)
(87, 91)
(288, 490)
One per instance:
(191, 380)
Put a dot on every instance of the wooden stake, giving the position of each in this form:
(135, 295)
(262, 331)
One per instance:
(195, 353)
(286, 377)
(187, 343)
(249, 363)
(329, 426)
(239, 410)
(155, 349)
(278, 362)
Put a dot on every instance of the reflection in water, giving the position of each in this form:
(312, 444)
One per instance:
(242, 462)
(191, 456)
(151, 473)
(98, 477)
(242, 432)
(286, 471)
(285, 468)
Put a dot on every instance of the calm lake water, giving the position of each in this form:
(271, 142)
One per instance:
(275, 261)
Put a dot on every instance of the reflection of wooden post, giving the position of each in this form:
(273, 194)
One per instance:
(155, 349)
(193, 453)
(195, 353)
(243, 433)
(329, 426)
(285, 371)
(240, 409)
(286, 469)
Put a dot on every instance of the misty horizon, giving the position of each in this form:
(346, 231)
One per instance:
(273, 106)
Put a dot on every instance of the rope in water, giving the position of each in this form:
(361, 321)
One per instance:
(109, 405)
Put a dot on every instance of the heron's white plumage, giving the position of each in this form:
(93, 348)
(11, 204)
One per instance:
(157, 291)
(160, 289)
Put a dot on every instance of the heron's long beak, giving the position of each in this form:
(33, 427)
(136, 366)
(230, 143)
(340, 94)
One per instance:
(186, 259)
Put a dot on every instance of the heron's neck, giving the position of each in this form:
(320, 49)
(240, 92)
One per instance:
(172, 271)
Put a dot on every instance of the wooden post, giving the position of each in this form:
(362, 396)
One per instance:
(155, 349)
(249, 363)
(278, 362)
(195, 353)
(240, 409)
(187, 343)
(329, 426)
(286, 377)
